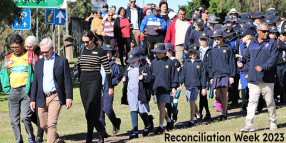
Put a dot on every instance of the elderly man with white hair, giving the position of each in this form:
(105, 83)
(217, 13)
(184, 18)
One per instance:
(51, 88)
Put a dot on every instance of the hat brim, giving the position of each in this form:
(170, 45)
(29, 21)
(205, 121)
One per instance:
(132, 60)
(216, 35)
(159, 51)
(108, 49)
(245, 20)
(203, 37)
(228, 34)
(192, 50)
(256, 17)
(276, 18)
(215, 22)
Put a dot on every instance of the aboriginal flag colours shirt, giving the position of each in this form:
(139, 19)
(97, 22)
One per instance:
(18, 70)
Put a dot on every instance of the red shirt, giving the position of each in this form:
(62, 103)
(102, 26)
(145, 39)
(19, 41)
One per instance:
(125, 27)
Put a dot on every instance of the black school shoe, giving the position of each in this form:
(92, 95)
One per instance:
(151, 123)
(145, 132)
(222, 117)
(101, 135)
(117, 127)
(190, 124)
(170, 125)
(175, 117)
(159, 131)
(133, 135)
(207, 117)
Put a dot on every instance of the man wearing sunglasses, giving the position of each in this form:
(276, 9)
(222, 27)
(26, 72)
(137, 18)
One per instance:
(16, 77)
(135, 15)
(52, 87)
(104, 10)
(261, 57)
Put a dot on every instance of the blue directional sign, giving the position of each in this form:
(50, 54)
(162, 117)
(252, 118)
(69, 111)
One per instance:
(60, 17)
(25, 22)
(55, 16)
(50, 16)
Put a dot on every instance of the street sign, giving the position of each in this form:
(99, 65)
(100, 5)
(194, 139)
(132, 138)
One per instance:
(60, 17)
(50, 16)
(55, 16)
(25, 21)
(38, 3)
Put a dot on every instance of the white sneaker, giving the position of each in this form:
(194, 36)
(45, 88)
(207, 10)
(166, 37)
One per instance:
(273, 127)
(247, 129)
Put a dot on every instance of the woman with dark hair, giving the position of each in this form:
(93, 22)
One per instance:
(164, 10)
(89, 63)
(122, 34)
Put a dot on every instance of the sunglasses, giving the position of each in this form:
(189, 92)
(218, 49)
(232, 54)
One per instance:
(132, 1)
(46, 52)
(85, 42)
(264, 31)
(110, 15)
(104, 6)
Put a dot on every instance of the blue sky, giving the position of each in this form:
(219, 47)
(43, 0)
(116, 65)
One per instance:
(174, 4)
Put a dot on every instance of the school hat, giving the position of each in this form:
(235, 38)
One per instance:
(218, 27)
(194, 48)
(228, 18)
(140, 50)
(228, 31)
(195, 16)
(236, 20)
(256, 15)
(218, 33)
(203, 36)
(200, 21)
(212, 19)
(159, 48)
(269, 21)
(233, 10)
(248, 29)
(246, 17)
(169, 46)
(273, 29)
(107, 47)
(273, 15)
(283, 28)
(133, 56)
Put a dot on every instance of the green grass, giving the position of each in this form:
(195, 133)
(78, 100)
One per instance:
(72, 123)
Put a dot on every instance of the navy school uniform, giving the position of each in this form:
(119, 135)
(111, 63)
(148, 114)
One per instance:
(106, 100)
(187, 37)
(262, 54)
(144, 85)
(166, 76)
(193, 37)
(193, 75)
(222, 62)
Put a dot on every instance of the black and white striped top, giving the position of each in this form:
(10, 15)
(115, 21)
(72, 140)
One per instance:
(90, 63)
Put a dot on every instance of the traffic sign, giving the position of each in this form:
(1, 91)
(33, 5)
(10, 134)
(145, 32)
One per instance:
(38, 3)
(55, 16)
(25, 21)
(50, 16)
(60, 17)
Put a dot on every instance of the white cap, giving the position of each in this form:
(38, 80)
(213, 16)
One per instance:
(171, 15)
(32, 40)
(233, 10)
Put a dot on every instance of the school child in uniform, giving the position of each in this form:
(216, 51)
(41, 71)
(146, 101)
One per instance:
(136, 79)
(193, 76)
(222, 70)
(106, 100)
(166, 80)
(273, 33)
(247, 34)
(172, 107)
(203, 56)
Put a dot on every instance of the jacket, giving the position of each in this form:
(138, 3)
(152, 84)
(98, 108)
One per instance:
(139, 12)
(150, 22)
(5, 75)
(171, 32)
(116, 76)
(192, 36)
(265, 55)
(193, 75)
(166, 76)
(222, 62)
(145, 85)
(117, 29)
(281, 47)
(62, 79)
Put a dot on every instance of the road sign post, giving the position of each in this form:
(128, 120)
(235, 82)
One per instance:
(55, 16)
(25, 21)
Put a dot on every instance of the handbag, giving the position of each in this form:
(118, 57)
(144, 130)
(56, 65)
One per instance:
(76, 69)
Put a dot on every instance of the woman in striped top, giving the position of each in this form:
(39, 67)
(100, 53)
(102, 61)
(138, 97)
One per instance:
(90, 61)
(107, 29)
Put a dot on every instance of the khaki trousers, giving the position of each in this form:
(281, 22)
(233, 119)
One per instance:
(254, 92)
(49, 117)
(180, 54)
(136, 34)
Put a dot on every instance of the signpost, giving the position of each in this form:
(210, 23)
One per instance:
(38, 3)
(25, 21)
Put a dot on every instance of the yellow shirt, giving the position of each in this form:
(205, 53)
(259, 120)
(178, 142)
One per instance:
(96, 25)
(18, 70)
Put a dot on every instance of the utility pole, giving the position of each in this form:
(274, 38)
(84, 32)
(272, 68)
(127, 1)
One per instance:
(259, 5)
(37, 25)
(59, 39)
(67, 19)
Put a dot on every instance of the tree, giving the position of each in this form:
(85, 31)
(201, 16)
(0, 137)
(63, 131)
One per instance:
(9, 11)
